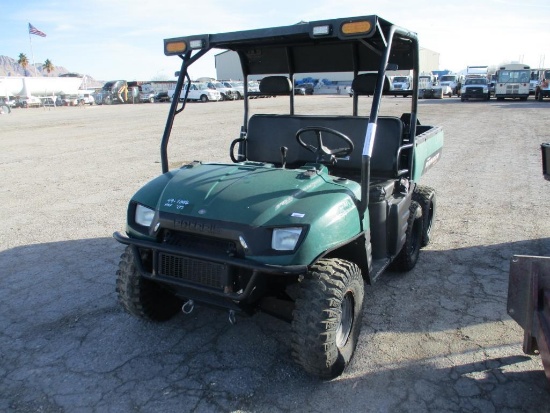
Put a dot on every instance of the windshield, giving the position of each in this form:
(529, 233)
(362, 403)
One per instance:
(480, 81)
(400, 79)
(448, 78)
(231, 84)
(513, 76)
(217, 85)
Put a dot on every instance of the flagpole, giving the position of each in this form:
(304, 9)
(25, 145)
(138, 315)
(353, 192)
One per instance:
(32, 54)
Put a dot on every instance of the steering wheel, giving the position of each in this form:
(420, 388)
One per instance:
(321, 151)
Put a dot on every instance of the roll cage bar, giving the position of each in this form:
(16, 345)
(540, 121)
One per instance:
(357, 44)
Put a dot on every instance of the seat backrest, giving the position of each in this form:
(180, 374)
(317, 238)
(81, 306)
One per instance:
(365, 84)
(268, 133)
(275, 85)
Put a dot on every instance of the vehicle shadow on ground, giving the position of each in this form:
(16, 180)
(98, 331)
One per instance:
(504, 104)
(63, 333)
(448, 289)
(516, 104)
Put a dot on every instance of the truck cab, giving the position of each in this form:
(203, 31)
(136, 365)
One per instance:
(542, 89)
(453, 81)
(309, 207)
(402, 85)
(475, 87)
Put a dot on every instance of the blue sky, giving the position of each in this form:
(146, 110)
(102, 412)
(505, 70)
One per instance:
(110, 39)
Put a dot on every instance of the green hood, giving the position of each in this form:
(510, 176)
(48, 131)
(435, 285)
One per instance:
(252, 194)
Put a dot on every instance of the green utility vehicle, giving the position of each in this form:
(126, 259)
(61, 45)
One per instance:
(310, 207)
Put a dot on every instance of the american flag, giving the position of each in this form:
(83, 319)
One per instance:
(34, 30)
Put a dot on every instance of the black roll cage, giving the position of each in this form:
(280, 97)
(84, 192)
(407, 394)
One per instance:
(284, 42)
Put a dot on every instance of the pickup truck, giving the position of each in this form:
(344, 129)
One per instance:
(475, 88)
(308, 209)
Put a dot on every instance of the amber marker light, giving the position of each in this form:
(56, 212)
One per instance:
(176, 47)
(359, 27)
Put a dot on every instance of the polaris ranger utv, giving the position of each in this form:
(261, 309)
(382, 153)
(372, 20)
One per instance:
(311, 206)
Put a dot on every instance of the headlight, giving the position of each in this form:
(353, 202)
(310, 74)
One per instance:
(485, 89)
(144, 216)
(285, 239)
(462, 90)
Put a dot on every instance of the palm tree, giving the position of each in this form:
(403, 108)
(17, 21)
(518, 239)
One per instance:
(24, 62)
(48, 66)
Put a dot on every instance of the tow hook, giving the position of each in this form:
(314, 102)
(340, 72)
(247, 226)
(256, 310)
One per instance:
(188, 307)
(232, 318)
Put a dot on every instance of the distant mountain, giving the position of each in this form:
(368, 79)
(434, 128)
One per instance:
(10, 67)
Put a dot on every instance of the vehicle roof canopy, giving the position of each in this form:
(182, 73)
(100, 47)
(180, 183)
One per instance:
(338, 45)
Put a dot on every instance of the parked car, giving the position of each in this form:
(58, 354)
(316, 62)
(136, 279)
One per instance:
(69, 100)
(49, 101)
(199, 92)
(307, 88)
(299, 90)
(162, 97)
(237, 86)
(228, 92)
(8, 101)
(30, 101)
(86, 99)
(147, 97)
(253, 87)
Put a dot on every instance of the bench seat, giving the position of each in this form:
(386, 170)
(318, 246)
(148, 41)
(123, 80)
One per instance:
(268, 133)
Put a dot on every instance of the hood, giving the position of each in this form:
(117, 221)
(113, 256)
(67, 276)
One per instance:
(255, 195)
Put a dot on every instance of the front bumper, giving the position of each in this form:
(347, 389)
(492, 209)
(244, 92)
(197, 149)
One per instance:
(204, 276)
(475, 93)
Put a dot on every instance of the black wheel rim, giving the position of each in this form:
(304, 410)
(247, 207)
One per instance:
(346, 320)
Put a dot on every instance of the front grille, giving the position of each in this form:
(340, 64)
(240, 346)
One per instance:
(475, 90)
(199, 243)
(196, 271)
(512, 89)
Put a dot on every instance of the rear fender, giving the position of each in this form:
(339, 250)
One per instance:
(428, 149)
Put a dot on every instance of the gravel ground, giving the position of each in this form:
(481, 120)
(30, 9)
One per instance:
(435, 339)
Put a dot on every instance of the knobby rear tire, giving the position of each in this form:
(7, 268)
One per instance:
(408, 256)
(425, 196)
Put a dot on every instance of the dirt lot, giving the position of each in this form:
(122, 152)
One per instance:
(436, 339)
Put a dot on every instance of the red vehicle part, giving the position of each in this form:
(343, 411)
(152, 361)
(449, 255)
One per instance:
(529, 304)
